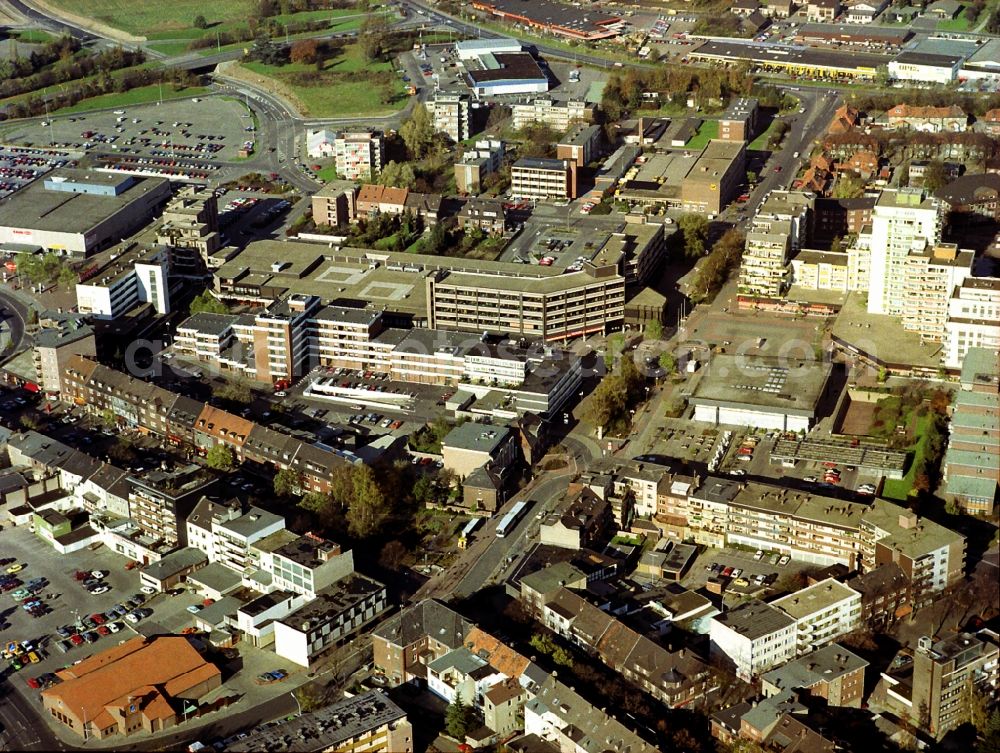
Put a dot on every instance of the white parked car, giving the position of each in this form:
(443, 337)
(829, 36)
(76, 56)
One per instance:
(148, 590)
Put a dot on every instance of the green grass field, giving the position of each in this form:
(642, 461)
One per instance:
(708, 131)
(760, 143)
(899, 489)
(334, 94)
(327, 174)
(143, 17)
(34, 36)
(138, 96)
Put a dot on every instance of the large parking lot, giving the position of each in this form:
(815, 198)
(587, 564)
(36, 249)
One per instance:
(19, 166)
(70, 604)
(189, 136)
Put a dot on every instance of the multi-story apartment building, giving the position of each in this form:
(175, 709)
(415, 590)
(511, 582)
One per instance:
(343, 337)
(973, 319)
(930, 276)
(739, 120)
(225, 532)
(943, 672)
(205, 336)
(832, 673)
(359, 155)
(902, 221)
(368, 722)
(132, 277)
(972, 461)
(537, 178)
(581, 144)
(406, 643)
(932, 556)
(714, 178)
(822, 612)
(335, 203)
(451, 114)
(55, 346)
(779, 228)
(189, 226)
(476, 163)
(820, 270)
(552, 308)
(281, 338)
(557, 115)
(161, 501)
(753, 638)
(338, 611)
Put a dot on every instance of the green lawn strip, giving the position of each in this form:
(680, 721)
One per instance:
(760, 143)
(170, 49)
(709, 130)
(899, 489)
(338, 98)
(139, 96)
(327, 173)
(34, 36)
(143, 17)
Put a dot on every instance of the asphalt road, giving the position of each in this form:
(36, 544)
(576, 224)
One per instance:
(22, 730)
(14, 314)
(57, 24)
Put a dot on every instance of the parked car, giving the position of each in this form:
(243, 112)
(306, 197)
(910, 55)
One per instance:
(785, 559)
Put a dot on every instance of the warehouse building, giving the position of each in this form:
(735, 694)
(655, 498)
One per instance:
(494, 74)
(80, 212)
(763, 393)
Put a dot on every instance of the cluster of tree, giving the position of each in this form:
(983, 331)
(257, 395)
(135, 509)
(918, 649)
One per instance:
(717, 266)
(849, 186)
(459, 718)
(694, 232)
(67, 69)
(46, 269)
(537, 140)
(778, 131)
(543, 644)
(206, 303)
(95, 86)
(610, 405)
(357, 497)
(720, 25)
(973, 9)
(993, 24)
(435, 490)
(386, 231)
(623, 92)
(235, 391)
(374, 37)
(265, 50)
(220, 457)
(428, 437)
(62, 49)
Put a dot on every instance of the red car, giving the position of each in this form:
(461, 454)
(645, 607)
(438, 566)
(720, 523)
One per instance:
(103, 630)
(777, 168)
(727, 572)
(33, 683)
(76, 639)
(98, 618)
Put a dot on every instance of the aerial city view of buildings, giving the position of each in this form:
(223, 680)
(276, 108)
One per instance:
(424, 375)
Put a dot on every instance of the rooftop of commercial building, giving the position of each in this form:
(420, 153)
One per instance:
(308, 550)
(793, 55)
(326, 729)
(822, 665)
(175, 562)
(476, 437)
(205, 323)
(907, 533)
(333, 601)
(505, 66)
(39, 208)
(815, 598)
(795, 387)
(755, 619)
